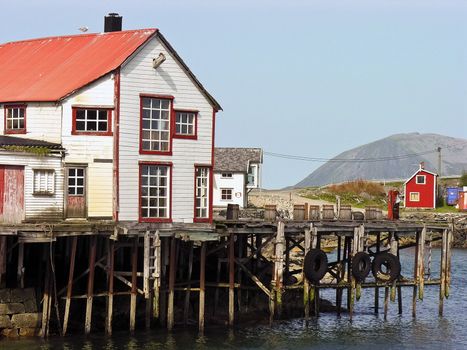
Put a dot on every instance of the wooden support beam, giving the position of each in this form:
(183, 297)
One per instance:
(20, 266)
(442, 273)
(254, 278)
(421, 263)
(134, 286)
(339, 276)
(231, 279)
(306, 283)
(378, 247)
(186, 308)
(46, 300)
(202, 286)
(110, 286)
(3, 253)
(146, 279)
(448, 260)
(74, 244)
(278, 280)
(157, 274)
(90, 289)
(172, 270)
(415, 274)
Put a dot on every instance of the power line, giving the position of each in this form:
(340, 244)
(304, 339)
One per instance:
(347, 160)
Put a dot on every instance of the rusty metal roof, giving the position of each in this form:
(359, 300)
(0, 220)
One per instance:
(49, 69)
(24, 142)
(236, 160)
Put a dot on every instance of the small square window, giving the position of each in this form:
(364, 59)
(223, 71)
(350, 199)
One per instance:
(226, 175)
(15, 119)
(415, 196)
(185, 124)
(226, 194)
(44, 182)
(421, 179)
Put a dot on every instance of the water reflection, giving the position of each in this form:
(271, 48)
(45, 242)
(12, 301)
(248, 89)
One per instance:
(366, 331)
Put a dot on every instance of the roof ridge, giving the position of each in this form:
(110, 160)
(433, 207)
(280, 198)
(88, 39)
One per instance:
(79, 35)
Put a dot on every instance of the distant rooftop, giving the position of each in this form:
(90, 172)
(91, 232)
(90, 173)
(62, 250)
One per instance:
(236, 159)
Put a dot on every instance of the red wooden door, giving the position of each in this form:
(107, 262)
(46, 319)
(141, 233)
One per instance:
(76, 192)
(11, 194)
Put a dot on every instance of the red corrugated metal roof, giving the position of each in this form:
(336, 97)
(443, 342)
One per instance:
(49, 69)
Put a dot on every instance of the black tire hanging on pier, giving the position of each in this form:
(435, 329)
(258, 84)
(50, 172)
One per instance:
(392, 267)
(361, 266)
(315, 265)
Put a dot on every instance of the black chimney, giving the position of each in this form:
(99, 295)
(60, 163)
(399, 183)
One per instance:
(112, 23)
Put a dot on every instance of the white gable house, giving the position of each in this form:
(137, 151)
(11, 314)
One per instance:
(236, 172)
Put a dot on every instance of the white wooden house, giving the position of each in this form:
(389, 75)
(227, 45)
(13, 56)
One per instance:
(108, 126)
(236, 172)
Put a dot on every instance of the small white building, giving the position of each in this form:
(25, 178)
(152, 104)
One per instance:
(236, 172)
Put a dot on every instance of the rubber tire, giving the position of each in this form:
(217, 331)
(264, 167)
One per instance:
(315, 265)
(393, 266)
(361, 266)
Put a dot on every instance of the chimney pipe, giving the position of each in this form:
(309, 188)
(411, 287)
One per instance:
(112, 23)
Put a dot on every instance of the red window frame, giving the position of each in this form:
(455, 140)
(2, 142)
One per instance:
(14, 131)
(171, 123)
(92, 133)
(141, 219)
(194, 136)
(210, 193)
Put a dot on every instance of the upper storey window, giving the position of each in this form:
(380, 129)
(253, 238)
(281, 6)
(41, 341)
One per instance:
(185, 124)
(15, 119)
(155, 125)
(92, 121)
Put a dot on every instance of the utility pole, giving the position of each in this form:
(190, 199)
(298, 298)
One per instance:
(439, 162)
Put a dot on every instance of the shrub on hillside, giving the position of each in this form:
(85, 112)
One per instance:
(359, 187)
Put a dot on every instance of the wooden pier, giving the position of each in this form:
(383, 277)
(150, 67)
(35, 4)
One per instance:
(160, 275)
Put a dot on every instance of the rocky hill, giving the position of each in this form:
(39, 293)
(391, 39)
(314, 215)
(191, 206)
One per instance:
(454, 159)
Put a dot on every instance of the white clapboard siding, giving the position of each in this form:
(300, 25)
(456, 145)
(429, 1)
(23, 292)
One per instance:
(43, 122)
(137, 77)
(81, 149)
(236, 183)
(38, 207)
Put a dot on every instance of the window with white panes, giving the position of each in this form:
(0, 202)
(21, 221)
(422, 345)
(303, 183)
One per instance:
(155, 128)
(155, 192)
(15, 119)
(202, 193)
(226, 194)
(226, 175)
(185, 123)
(420, 180)
(92, 120)
(415, 196)
(76, 181)
(44, 181)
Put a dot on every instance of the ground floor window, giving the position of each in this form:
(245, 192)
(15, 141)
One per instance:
(415, 196)
(44, 181)
(155, 191)
(226, 194)
(202, 193)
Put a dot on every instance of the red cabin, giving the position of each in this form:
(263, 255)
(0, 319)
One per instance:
(420, 189)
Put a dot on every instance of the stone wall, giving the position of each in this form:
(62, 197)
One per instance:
(18, 313)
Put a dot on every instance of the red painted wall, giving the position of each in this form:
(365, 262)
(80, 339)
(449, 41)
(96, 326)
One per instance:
(427, 191)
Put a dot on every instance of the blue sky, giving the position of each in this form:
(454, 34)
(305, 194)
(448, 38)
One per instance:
(311, 78)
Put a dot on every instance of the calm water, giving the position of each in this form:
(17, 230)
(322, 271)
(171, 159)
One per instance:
(366, 331)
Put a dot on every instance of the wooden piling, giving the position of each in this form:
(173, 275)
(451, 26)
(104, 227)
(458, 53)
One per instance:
(146, 279)
(442, 273)
(306, 283)
(20, 266)
(448, 260)
(378, 247)
(74, 244)
(415, 275)
(134, 284)
(172, 271)
(90, 289)
(421, 263)
(202, 286)
(186, 309)
(157, 262)
(110, 286)
(279, 266)
(339, 275)
(231, 279)
(46, 299)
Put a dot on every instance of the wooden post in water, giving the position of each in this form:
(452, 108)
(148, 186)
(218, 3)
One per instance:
(415, 275)
(315, 244)
(378, 244)
(421, 263)
(448, 259)
(157, 274)
(186, 309)
(110, 286)
(90, 289)
(172, 270)
(442, 273)
(339, 275)
(46, 304)
(231, 279)
(306, 283)
(146, 278)
(74, 244)
(202, 286)
(134, 284)
(279, 266)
